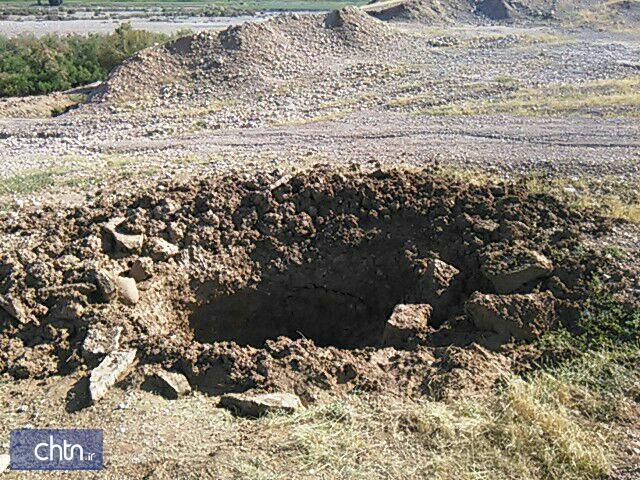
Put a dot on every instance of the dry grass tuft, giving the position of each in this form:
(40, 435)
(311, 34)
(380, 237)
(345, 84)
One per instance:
(528, 430)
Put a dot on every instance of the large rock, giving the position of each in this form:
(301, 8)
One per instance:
(435, 285)
(106, 285)
(111, 370)
(123, 242)
(406, 322)
(249, 405)
(100, 341)
(170, 385)
(509, 270)
(159, 249)
(522, 317)
(141, 269)
(128, 290)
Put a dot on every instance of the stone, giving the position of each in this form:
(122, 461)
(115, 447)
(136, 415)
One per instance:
(111, 370)
(141, 269)
(435, 286)
(517, 316)
(171, 385)
(101, 341)
(256, 405)
(123, 242)
(13, 307)
(67, 309)
(406, 321)
(107, 287)
(160, 249)
(438, 275)
(128, 290)
(516, 269)
(5, 461)
(128, 243)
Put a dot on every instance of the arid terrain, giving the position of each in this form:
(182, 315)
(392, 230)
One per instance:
(414, 223)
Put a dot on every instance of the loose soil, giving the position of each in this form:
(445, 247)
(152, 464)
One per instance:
(286, 282)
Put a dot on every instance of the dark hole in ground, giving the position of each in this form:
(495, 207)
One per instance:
(342, 300)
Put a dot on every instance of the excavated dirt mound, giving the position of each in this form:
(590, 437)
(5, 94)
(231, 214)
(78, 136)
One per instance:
(248, 57)
(465, 11)
(323, 280)
(481, 11)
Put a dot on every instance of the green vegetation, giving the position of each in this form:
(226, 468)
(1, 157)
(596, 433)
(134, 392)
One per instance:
(605, 325)
(34, 66)
(155, 8)
(31, 182)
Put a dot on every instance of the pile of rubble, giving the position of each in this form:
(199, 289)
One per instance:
(316, 282)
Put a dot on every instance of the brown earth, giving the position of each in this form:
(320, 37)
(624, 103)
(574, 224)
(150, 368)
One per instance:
(252, 272)
(285, 282)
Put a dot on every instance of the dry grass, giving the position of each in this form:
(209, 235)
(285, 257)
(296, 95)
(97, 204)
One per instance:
(611, 97)
(611, 197)
(607, 196)
(538, 428)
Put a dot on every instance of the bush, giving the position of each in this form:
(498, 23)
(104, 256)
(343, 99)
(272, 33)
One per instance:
(605, 323)
(35, 66)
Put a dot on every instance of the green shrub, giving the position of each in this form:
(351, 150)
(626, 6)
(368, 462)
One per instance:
(35, 66)
(605, 323)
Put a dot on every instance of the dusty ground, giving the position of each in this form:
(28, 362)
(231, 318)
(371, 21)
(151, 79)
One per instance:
(254, 174)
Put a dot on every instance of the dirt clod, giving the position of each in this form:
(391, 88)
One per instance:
(523, 317)
(287, 282)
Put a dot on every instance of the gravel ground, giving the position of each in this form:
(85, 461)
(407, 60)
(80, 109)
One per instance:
(12, 28)
(495, 100)
(361, 107)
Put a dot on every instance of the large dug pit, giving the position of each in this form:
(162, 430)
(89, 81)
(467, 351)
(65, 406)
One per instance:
(311, 282)
(343, 300)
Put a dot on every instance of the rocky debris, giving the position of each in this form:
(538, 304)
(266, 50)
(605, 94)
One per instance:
(100, 341)
(464, 372)
(521, 317)
(5, 461)
(159, 249)
(13, 307)
(110, 371)
(67, 309)
(128, 290)
(170, 385)
(280, 284)
(141, 269)
(128, 243)
(111, 287)
(123, 243)
(434, 285)
(509, 269)
(256, 405)
(106, 285)
(407, 321)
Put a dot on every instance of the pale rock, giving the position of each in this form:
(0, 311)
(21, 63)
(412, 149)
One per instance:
(256, 405)
(128, 290)
(111, 370)
(160, 249)
(171, 385)
(101, 341)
